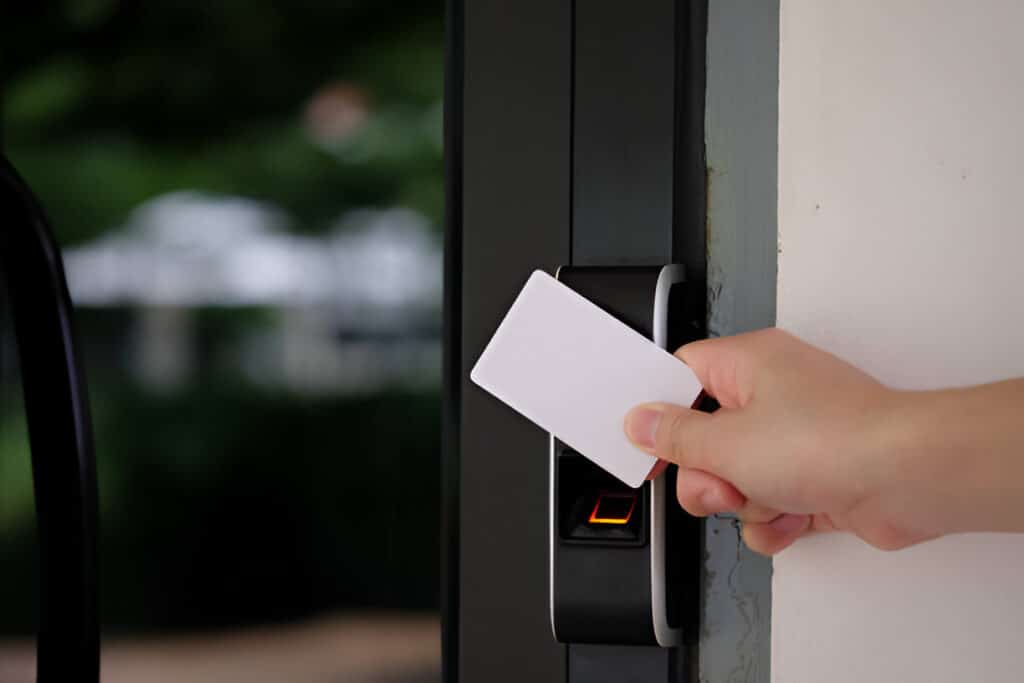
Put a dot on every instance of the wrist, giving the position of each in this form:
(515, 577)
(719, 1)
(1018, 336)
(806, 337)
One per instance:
(949, 471)
(897, 441)
(912, 484)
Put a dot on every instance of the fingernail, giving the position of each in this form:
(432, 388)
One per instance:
(642, 426)
(790, 524)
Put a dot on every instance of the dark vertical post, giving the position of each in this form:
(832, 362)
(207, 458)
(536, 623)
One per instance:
(451, 372)
(623, 132)
(60, 438)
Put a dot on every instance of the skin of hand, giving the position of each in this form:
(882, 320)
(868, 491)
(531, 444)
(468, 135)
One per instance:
(805, 442)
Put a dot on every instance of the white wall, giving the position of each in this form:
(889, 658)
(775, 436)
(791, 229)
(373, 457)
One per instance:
(901, 222)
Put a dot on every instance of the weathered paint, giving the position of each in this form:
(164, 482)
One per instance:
(741, 130)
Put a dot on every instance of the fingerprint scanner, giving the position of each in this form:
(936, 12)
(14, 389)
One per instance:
(613, 508)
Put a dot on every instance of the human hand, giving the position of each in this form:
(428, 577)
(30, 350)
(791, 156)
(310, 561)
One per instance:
(803, 442)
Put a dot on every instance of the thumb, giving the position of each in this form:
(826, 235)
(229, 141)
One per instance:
(683, 436)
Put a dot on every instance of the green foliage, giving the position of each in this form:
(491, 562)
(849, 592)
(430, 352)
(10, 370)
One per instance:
(16, 511)
(223, 505)
(108, 104)
(42, 98)
(92, 184)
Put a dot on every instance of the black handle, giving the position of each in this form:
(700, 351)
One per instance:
(63, 462)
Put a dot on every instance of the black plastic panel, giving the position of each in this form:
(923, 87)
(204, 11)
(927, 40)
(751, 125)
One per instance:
(620, 663)
(595, 578)
(625, 292)
(623, 132)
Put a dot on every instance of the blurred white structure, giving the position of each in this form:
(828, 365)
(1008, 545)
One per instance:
(360, 305)
(187, 249)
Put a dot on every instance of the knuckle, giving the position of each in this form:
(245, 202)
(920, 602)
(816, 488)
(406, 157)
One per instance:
(689, 498)
(757, 514)
(755, 541)
(691, 506)
(682, 438)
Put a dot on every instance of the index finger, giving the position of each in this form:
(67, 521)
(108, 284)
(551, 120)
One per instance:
(725, 366)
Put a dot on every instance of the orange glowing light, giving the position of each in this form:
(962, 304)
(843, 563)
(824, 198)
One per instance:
(617, 508)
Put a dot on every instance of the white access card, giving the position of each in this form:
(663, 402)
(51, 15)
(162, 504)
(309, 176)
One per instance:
(575, 371)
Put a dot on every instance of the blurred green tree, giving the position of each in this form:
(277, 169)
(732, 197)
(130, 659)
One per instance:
(224, 502)
(107, 104)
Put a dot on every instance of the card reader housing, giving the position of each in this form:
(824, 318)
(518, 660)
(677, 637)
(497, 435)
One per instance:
(625, 563)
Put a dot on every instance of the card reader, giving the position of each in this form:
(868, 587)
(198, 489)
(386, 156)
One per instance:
(624, 562)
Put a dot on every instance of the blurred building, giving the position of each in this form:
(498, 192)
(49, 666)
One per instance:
(352, 310)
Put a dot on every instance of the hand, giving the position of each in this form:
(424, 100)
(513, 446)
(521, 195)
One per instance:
(803, 442)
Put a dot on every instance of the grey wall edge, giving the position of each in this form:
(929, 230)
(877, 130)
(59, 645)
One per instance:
(741, 133)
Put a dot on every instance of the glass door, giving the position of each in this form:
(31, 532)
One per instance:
(249, 198)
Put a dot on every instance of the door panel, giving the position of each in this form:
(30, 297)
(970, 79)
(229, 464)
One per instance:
(515, 187)
(576, 136)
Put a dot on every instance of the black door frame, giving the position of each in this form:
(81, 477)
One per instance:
(530, 165)
(509, 179)
(638, 198)
(545, 119)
